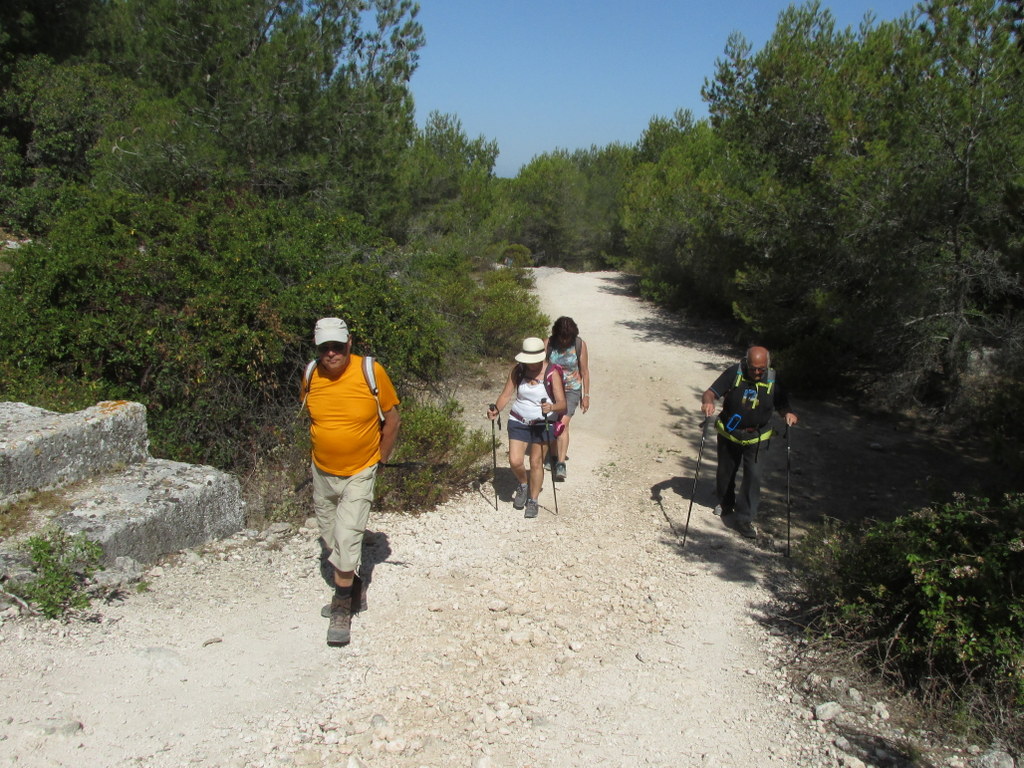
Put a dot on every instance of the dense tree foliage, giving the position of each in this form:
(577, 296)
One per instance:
(855, 198)
(445, 181)
(563, 206)
(200, 182)
(289, 98)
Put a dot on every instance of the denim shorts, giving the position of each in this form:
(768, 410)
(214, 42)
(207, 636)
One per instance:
(530, 433)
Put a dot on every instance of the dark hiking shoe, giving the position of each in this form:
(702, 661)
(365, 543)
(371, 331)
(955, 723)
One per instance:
(326, 610)
(721, 511)
(560, 471)
(339, 632)
(519, 500)
(746, 529)
(358, 599)
(531, 508)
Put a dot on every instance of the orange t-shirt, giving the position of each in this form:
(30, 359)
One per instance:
(345, 428)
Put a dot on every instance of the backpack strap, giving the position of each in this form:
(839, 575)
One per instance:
(306, 378)
(769, 377)
(553, 368)
(739, 376)
(371, 381)
(369, 374)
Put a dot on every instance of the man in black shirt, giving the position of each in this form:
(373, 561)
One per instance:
(750, 394)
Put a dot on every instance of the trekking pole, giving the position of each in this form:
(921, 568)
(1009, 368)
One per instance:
(494, 453)
(547, 435)
(789, 505)
(696, 472)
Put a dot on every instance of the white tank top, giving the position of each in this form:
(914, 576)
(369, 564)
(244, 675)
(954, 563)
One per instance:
(528, 397)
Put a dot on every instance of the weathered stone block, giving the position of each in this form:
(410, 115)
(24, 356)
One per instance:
(40, 449)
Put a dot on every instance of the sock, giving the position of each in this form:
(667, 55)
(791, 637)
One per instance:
(342, 592)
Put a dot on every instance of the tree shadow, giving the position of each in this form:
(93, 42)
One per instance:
(620, 284)
(837, 463)
(376, 550)
(721, 546)
(845, 462)
(670, 327)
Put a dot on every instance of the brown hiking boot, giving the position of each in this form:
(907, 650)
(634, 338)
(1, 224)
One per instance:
(339, 630)
(358, 599)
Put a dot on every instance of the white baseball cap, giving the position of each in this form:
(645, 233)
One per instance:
(330, 329)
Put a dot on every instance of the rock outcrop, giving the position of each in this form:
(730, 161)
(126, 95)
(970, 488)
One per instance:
(99, 479)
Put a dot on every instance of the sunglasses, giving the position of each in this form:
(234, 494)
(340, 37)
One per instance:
(331, 346)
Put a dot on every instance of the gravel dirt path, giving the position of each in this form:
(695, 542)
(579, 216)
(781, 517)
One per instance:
(589, 637)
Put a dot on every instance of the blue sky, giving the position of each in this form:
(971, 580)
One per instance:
(537, 75)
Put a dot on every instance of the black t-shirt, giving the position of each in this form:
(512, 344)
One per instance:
(748, 405)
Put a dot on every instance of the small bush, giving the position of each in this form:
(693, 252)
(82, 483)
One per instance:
(62, 564)
(508, 311)
(517, 255)
(45, 389)
(444, 457)
(936, 597)
(438, 455)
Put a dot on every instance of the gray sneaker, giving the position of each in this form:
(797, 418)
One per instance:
(560, 471)
(531, 508)
(519, 500)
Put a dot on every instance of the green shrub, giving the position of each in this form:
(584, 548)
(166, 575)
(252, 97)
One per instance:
(508, 311)
(203, 310)
(517, 255)
(62, 564)
(444, 456)
(44, 389)
(937, 596)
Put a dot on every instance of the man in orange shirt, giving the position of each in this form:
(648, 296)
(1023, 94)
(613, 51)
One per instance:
(353, 431)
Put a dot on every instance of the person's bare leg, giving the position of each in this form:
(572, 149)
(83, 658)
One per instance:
(517, 460)
(536, 469)
(563, 440)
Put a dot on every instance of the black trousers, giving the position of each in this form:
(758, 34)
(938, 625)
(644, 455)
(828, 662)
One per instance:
(731, 458)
